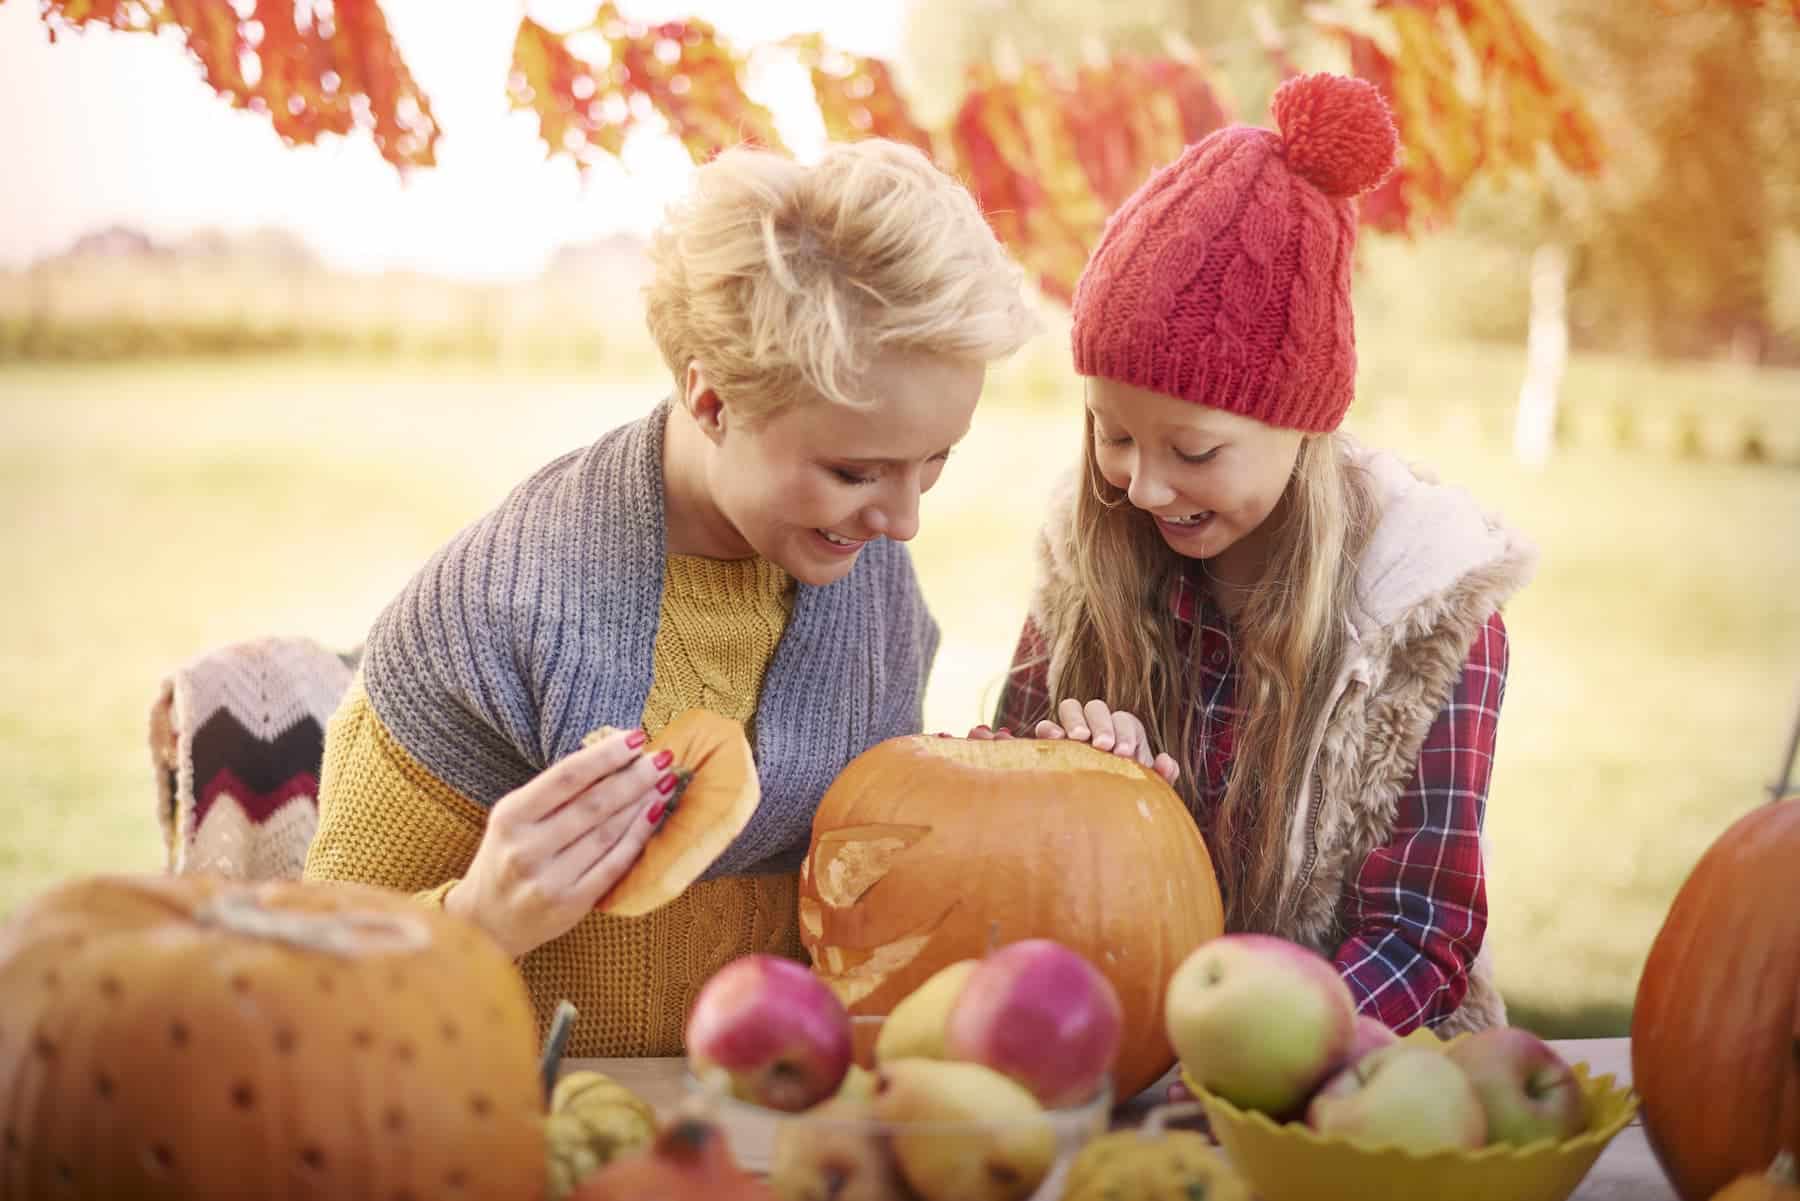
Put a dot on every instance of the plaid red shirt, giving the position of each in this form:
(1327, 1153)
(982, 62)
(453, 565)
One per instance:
(1416, 912)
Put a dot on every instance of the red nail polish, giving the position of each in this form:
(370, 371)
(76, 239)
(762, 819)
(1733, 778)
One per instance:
(663, 759)
(636, 738)
(654, 814)
(666, 785)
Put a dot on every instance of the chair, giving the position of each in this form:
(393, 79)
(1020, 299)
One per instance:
(236, 739)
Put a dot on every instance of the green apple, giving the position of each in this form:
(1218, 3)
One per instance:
(1260, 1021)
(1403, 1096)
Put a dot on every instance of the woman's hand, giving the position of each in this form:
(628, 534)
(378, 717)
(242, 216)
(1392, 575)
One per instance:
(556, 844)
(1107, 729)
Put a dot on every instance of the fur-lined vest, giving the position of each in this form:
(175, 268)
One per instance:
(1435, 568)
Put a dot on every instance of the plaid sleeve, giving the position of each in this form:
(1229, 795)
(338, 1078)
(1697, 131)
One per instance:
(1025, 699)
(1417, 910)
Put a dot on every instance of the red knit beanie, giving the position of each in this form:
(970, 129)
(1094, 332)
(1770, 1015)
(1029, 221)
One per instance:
(1225, 278)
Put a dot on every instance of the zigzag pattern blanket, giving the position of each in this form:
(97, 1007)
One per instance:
(236, 738)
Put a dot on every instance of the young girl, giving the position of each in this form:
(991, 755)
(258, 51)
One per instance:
(1308, 630)
(738, 549)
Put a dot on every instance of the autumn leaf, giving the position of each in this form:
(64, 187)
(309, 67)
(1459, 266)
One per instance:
(329, 74)
(1490, 108)
(678, 70)
(1129, 115)
(856, 95)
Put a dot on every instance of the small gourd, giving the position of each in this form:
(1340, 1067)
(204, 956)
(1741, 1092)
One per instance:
(593, 1119)
(1154, 1163)
(1779, 1183)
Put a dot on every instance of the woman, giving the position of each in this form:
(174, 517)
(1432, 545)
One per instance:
(738, 549)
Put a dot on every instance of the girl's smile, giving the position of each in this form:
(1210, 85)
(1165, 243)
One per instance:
(1208, 479)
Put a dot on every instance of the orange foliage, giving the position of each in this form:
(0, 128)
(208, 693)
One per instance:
(1456, 123)
(330, 75)
(1049, 152)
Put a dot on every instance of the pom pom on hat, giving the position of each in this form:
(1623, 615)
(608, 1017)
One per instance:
(1336, 132)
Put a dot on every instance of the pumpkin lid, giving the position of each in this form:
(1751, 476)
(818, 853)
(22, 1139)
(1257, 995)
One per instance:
(719, 797)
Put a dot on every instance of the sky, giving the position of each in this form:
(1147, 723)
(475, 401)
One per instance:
(112, 128)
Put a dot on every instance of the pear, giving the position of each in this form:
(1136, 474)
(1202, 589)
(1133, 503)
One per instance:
(915, 1028)
(858, 1083)
(834, 1153)
(974, 1134)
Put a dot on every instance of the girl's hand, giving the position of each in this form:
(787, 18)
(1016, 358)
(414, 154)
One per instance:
(557, 843)
(984, 734)
(1107, 730)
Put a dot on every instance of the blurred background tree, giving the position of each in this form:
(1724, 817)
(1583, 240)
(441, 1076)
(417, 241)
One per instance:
(1676, 248)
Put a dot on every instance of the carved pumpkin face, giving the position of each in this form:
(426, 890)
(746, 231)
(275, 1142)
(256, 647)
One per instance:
(928, 850)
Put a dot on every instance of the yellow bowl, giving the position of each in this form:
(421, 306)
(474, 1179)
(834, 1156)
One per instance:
(1291, 1162)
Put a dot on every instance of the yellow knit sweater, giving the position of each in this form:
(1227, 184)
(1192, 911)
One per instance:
(384, 819)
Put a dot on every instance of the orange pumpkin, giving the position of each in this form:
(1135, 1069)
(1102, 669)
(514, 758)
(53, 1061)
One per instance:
(719, 795)
(689, 1161)
(1777, 1184)
(1715, 1033)
(928, 850)
(189, 1037)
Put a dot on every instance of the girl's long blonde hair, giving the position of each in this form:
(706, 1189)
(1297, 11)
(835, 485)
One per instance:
(1112, 637)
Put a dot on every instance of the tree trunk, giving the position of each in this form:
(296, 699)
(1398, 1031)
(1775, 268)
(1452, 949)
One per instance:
(1546, 356)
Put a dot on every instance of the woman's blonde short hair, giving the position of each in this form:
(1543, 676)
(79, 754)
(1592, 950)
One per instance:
(783, 279)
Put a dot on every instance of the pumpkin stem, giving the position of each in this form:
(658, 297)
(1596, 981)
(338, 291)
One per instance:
(560, 1026)
(1162, 1115)
(1782, 1170)
(342, 932)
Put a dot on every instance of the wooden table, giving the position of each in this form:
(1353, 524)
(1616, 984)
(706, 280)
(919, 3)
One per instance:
(1625, 1171)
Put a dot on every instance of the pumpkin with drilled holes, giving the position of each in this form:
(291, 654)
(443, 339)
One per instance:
(927, 850)
(1715, 1032)
(718, 796)
(210, 1040)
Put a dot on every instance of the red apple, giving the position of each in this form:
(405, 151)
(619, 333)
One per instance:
(1040, 1013)
(773, 1030)
(1258, 1020)
(1369, 1034)
(1402, 1096)
(1526, 1089)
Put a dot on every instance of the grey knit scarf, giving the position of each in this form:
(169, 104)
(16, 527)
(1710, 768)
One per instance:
(536, 625)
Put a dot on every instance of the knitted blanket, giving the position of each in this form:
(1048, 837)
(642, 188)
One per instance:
(236, 737)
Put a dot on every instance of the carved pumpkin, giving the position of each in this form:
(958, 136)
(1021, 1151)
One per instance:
(189, 1037)
(719, 795)
(928, 850)
(1779, 1183)
(689, 1161)
(1715, 1033)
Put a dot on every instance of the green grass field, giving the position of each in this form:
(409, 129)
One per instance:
(157, 510)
